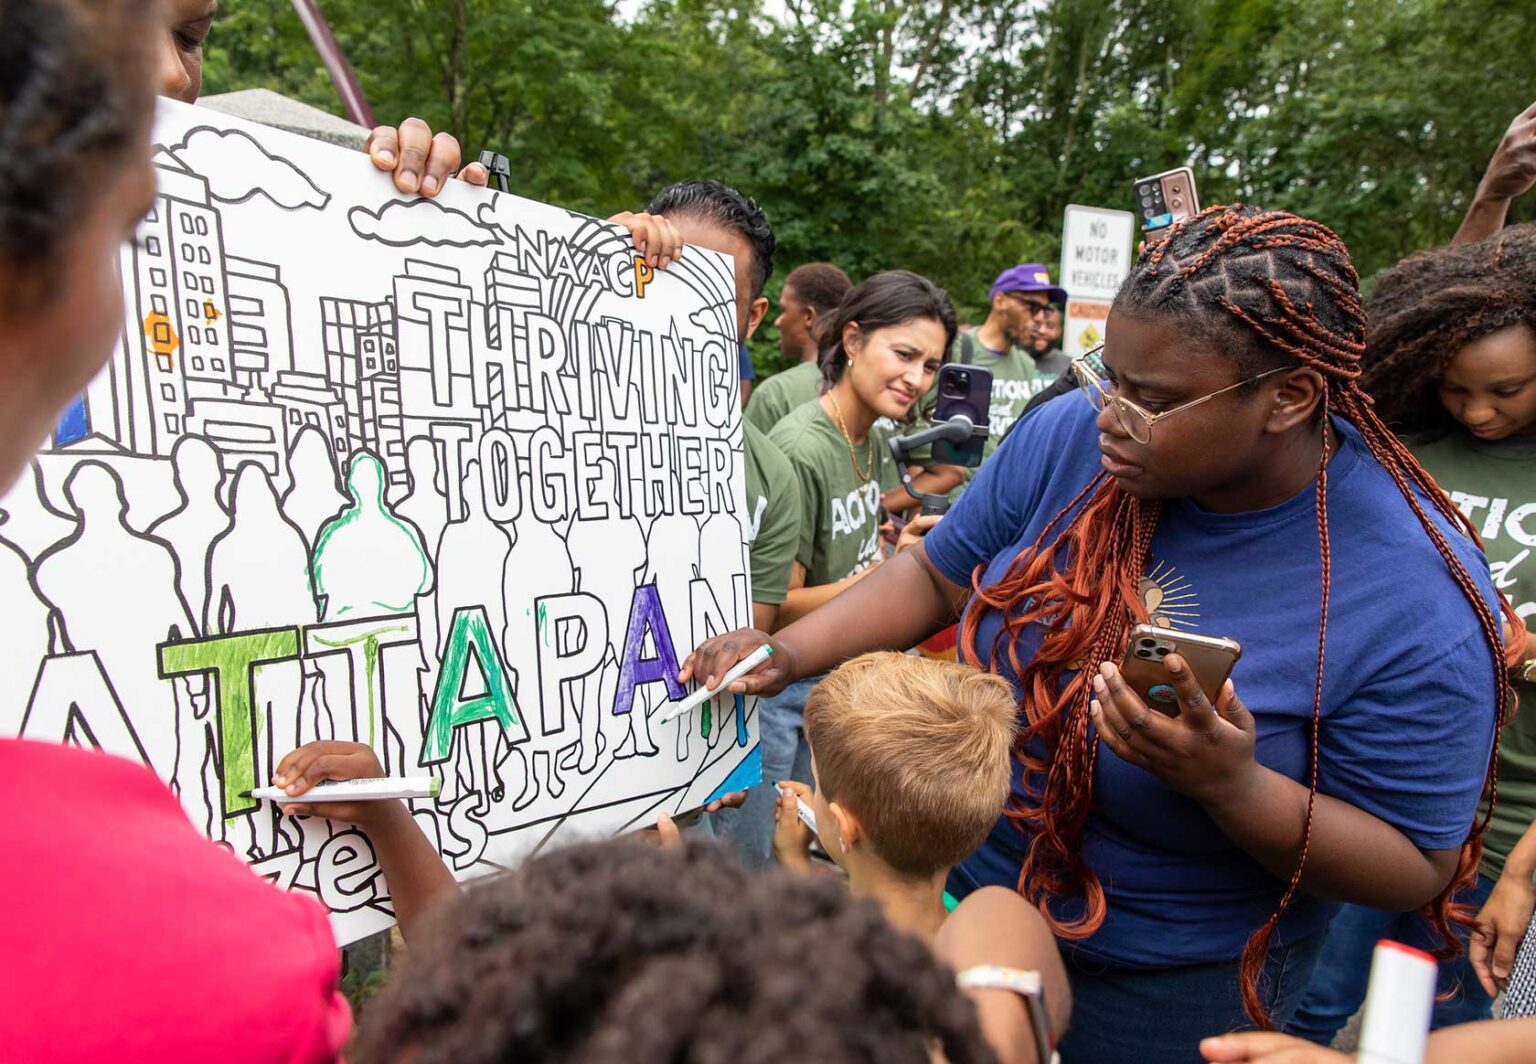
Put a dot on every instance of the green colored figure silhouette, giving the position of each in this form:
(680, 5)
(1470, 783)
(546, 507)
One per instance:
(367, 561)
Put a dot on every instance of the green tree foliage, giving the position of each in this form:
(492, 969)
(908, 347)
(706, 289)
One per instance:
(941, 135)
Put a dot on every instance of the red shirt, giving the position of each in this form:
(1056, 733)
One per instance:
(125, 935)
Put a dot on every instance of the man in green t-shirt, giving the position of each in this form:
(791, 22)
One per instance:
(773, 524)
(1004, 343)
(811, 295)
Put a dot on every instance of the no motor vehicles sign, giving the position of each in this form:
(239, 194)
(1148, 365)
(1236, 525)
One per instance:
(1095, 258)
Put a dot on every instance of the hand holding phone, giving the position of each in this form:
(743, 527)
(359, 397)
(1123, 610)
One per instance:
(1157, 715)
(1210, 658)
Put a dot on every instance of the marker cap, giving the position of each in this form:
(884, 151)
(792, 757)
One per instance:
(1398, 1005)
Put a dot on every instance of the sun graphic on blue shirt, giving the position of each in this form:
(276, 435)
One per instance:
(1170, 600)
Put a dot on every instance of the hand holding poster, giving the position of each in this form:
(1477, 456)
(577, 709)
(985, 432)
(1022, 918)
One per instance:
(456, 478)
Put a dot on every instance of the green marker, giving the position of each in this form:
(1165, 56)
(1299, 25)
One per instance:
(366, 790)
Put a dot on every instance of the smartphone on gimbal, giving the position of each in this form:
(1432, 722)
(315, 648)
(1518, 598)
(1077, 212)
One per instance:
(966, 390)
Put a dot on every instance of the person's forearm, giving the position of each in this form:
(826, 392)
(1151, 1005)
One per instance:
(898, 605)
(928, 480)
(1488, 1042)
(1352, 856)
(1522, 859)
(939, 479)
(1484, 218)
(899, 500)
(802, 600)
(415, 872)
(797, 860)
(765, 616)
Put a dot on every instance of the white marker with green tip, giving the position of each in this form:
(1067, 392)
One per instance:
(702, 695)
(366, 790)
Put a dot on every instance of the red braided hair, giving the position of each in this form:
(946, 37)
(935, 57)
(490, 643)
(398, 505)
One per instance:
(1287, 283)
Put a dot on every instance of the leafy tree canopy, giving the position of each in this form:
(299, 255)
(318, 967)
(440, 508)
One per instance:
(944, 136)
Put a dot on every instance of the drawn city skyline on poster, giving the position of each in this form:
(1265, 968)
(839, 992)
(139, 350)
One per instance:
(457, 478)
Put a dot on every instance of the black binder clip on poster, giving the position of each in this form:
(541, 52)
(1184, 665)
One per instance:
(500, 168)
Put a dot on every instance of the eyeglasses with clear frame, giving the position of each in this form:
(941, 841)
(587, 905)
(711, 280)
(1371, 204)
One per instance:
(1137, 420)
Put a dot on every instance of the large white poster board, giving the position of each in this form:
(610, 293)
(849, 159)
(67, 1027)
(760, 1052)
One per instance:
(458, 479)
(1095, 258)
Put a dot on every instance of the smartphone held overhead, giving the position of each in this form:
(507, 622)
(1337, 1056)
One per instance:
(1164, 199)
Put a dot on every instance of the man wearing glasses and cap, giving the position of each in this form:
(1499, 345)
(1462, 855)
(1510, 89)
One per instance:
(1004, 343)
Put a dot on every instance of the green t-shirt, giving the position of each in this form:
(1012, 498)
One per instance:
(773, 516)
(1494, 484)
(781, 393)
(839, 512)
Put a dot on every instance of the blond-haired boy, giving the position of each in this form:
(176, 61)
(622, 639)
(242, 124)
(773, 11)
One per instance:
(911, 758)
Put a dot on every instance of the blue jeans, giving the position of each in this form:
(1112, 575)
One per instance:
(1161, 1014)
(786, 756)
(1338, 983)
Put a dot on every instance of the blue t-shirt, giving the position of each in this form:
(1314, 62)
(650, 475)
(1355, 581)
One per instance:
(744, 363)
(1408, 687)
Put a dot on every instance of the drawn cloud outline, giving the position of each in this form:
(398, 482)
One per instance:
(490, 213)
(235, 178)
(400, 223)
(717, 319)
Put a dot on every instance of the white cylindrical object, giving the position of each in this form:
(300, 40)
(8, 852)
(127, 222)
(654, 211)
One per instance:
(362, 790)
(1397, 1005)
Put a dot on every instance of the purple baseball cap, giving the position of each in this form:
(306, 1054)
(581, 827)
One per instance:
(1029, 277)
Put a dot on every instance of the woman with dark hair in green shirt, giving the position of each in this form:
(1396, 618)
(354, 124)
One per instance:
(880, 353)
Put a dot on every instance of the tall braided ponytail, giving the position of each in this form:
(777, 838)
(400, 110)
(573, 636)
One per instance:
(1287, 283)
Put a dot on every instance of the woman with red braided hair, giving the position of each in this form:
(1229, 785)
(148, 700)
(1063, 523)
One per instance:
(1222, 472)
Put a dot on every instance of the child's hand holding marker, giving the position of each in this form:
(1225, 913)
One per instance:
(318, 762)
(415, 872)
(796, 826)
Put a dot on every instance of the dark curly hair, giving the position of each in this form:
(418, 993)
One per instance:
(723, 205)
(881, 301)
(620, 952)
(820, 285)
(76, 91)
(1428, 307)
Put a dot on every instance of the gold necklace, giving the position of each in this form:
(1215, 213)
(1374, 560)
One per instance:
(853, 456)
